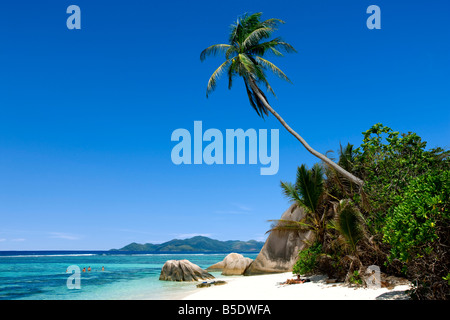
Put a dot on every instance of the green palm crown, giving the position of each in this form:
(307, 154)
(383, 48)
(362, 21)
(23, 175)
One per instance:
(249, 41)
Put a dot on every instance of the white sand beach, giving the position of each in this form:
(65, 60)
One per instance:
(269, 287)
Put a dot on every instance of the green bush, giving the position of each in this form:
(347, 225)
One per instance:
(411, 226)
(307, 259)
(387, 161)
(356, 278)
(417, 231)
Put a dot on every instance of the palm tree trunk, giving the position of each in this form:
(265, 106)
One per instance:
(322, 157)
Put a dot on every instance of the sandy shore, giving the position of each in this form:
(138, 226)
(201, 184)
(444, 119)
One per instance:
(269, 287)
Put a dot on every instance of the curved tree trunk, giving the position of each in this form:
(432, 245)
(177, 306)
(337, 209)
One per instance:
(322, 157)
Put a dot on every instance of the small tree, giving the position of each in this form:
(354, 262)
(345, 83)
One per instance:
(307, 193)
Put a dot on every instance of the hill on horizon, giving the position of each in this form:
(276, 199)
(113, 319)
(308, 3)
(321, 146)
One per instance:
(196, 244)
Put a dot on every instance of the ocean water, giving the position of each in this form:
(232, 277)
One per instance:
(42, 275)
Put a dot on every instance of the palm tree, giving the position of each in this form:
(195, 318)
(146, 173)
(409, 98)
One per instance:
(249, 41)
(307, 193)
(349, 223)
(338, 185)
(308, 188)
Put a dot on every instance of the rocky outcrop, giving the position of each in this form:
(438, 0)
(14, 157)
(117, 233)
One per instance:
(183, 270)
(233, 264)
(280, 250)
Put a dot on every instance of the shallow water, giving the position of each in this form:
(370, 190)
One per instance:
(42, 275)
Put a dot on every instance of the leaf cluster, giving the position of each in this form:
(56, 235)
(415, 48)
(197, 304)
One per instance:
(423, 208)
(387, 161)
(307, 259)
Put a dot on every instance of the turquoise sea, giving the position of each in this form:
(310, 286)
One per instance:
(41, 275)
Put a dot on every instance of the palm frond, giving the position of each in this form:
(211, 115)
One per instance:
(349, 223)
(276, 52)
(345, 187)
(309, 185)
(260, 77)
(255, 101)
(243, 26)
(255, 37)
(289, 192)
(288, 48)
(214, 50)
(235, 28)
(252, 99)
(230, 76)
(259, 101)
(276, 43)
(215, 76)
(231, 52)
(273, 68)
(247, 63)
(272, 23)
(251, 21)
(346, 157)
(289, 226)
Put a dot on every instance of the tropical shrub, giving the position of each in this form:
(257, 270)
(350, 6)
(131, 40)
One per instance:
(355, 278)
(424, 208)
(307, 259)
(418, 232)
(387, 161)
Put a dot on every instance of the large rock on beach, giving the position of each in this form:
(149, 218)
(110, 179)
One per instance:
(233, 264)
(280, 251)
(183, 270)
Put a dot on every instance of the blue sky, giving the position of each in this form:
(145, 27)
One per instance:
(86, 116)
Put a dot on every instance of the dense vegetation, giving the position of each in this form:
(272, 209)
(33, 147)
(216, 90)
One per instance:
(399, 220)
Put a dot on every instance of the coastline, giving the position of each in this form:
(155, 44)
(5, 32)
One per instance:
(270, 287)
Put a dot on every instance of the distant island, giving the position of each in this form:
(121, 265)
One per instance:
(196, 244)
